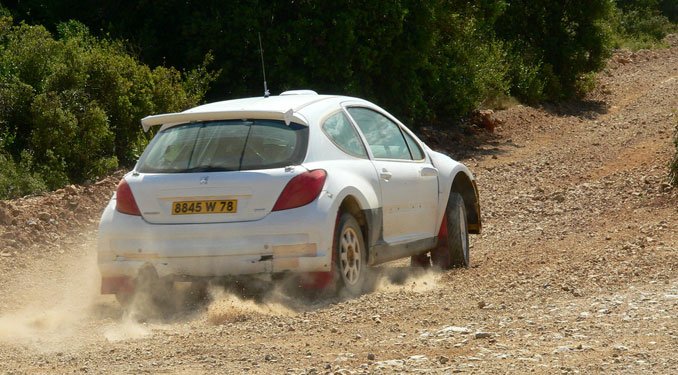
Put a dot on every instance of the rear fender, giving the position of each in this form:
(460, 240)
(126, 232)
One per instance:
(356, 182)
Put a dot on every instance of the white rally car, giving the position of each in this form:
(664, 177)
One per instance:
(316, 185)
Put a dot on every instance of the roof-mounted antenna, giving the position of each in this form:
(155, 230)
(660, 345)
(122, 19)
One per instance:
(263, 68)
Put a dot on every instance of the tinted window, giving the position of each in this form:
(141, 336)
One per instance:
(382, 135)
(341, 132)
(417, 153)
(225, 146)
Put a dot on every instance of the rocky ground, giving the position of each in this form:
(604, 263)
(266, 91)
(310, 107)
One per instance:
(576, 270)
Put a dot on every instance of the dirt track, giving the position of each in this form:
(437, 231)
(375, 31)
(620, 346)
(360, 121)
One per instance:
(576, 269)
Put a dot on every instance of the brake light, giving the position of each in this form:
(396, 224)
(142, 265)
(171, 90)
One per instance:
(301, 190)
(125, 202)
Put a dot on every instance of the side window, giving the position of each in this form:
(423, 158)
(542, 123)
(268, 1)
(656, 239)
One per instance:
(383, 135)
(340, 131)
(417, 153)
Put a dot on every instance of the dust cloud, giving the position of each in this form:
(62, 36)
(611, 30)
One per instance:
(228, 307)
(46, 308)
(54, 305)
(127, 329)
(398, 279)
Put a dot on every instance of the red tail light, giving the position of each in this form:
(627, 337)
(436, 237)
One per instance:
(301, 190)
(125, 202)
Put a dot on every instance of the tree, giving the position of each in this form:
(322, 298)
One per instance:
(70, 106)
(568, 40)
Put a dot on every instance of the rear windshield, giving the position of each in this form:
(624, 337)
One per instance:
(231, 145)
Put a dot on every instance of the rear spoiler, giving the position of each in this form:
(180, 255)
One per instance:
(171, 119)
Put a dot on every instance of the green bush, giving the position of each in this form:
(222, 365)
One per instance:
(566, 40)
(641, 24)
(18, 179)
(466, 70)
(669, 9)
(424, 60)
(429, 62)
(73, 103)
(525, 75)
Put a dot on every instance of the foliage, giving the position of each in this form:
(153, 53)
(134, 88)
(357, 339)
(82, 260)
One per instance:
(428, 62)
(391, 52)
(466, 70)
(424, 60)
(567, 40)
(19, 179)
(642, 23)
(669, 9)
(72, 104)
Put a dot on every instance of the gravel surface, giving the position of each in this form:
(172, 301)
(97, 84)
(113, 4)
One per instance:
(576, 270)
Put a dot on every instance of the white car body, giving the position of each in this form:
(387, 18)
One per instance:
(400, 204)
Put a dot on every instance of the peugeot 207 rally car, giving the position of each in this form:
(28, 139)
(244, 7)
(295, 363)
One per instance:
(301, 183)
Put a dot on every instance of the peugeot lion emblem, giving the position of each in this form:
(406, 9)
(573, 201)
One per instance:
(203, 180)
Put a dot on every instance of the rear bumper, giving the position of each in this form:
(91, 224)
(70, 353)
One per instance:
(297, 240)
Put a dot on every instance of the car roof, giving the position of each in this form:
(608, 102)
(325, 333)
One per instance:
(289, 106)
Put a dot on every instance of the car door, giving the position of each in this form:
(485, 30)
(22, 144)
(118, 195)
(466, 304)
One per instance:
(408, 181)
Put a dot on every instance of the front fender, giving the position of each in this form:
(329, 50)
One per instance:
(453, 175)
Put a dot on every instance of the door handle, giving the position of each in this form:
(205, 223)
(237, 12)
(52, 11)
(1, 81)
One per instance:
(428, 172)
(385, 174)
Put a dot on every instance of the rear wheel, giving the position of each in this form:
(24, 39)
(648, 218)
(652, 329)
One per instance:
(453, 246)
(152, 297)
(350, 256)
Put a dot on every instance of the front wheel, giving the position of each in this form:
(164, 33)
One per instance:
(453, 246)
(350, 256)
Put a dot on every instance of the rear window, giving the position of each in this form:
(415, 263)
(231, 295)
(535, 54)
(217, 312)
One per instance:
(231, 145)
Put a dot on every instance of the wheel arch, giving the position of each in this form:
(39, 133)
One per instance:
(351, 204)
(456, 177)
(466, 187)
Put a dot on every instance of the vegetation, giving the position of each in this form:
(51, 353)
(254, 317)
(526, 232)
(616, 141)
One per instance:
(74, 84)
(643, 23)
(70, 106)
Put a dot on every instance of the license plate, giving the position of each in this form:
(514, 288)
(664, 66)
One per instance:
(205, 207)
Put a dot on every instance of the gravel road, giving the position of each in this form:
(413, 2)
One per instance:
(576, 270)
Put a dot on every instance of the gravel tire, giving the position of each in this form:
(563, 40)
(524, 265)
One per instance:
(350, 256)
(453, 251)
(153, 297)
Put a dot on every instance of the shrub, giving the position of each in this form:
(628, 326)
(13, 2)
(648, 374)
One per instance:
(669, 9)
(18, 179)
(73, 103)
(526, 77)
(466, 71)
(424, 60)
(568, 40)
(641, 23)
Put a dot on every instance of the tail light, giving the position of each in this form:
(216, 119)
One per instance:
(301, 190)
(125, 202)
